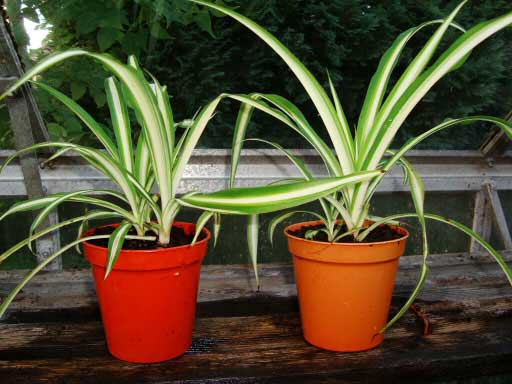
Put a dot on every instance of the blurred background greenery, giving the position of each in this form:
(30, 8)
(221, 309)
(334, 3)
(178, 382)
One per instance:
(199, 54)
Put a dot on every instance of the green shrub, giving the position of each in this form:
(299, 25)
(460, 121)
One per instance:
(347, 37)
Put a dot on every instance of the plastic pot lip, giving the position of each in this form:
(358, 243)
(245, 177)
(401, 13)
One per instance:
(316, 222)
(149, 251)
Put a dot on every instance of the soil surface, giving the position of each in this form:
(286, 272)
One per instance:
(381, 233)
(178, 237)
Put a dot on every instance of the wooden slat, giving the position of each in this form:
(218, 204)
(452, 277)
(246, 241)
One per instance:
(499, 216)
(208, 170)
(267, 348)
(482, 219)
(246, 337)
(497, 141)
(74, 289)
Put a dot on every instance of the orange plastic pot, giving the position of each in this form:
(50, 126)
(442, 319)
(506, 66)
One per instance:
(344, 290)
(148, 301)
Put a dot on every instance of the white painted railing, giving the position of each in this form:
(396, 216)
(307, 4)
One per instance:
(209, 169)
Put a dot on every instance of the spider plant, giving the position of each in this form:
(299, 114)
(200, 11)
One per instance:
(147, 172)
(385, 109)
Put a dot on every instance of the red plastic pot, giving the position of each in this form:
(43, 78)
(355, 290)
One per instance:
(148, 301)
(344, 290)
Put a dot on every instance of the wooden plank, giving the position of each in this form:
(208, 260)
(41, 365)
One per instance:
(246, 336)
(497, 141)
(482, 220)
(498, 215)
(266, 349)
(453, 277)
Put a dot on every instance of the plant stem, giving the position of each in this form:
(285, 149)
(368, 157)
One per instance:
(140, 230)
(164, 237)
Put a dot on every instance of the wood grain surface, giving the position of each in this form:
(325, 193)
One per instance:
(54, 334)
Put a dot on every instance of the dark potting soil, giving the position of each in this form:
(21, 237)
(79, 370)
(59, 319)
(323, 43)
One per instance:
(381, 233)
(178, 237)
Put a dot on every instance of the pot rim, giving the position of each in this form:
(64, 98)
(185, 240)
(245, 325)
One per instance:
(132, 251)
(315, 222)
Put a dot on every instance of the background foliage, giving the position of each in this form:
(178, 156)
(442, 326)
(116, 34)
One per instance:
(199, 54)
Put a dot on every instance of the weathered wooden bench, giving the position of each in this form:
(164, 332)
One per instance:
(53, 332)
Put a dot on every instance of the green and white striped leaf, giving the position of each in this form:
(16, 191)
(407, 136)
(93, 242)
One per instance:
(294, 159)
(85, 117)
(505, 125)
(367, 127)
(49, 208)
(415, 92)
(58, 153)
(162, 98)
(253, 228)
(337, 237)
(412, 177)
(424, 272)
(191, 140)
(144, 102)
(372, 118)
(265, 199)
(93, 215)
(200, 223)
(217, 222)
(104, 204)
(287, 113)
(145, 199)
(39, 203)
(339, 110)
(280, 218)
(143, 170)
(97, 159)
(179, 144)
(30, 205)
(341, 139)
(242, 121)
(311, 233)
(10, 297)
(424, 269)
(248, 104)
(164, 106)
(50, 229)
(306, 131)
(411, 73)
(115, 244)
(341, 210)
(418, 196)
(120, 122)
(42, 66)
(169, 213)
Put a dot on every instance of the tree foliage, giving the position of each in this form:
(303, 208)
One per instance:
(199, 54)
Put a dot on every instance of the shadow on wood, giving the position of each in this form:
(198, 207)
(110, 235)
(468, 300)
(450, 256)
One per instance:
(54, 333)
